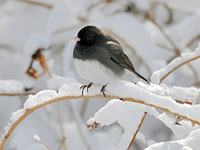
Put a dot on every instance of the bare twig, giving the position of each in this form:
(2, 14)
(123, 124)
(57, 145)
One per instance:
(193, 40)
(41, 142)
(165, 5)
(84, 106)
(29, 111)
(176, 49)
(37, 3)
(164, 46)
(134, 136)
(78, 123)
(61, 127)
(18, 94)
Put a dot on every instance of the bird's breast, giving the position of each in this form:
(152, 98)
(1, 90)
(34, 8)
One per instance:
(94, 71)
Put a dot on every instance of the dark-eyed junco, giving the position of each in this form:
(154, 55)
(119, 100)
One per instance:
(99, 58)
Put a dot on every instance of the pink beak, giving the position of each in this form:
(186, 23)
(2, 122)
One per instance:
(76, 38)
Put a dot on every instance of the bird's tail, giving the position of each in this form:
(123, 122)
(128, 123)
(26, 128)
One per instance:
(140, 76)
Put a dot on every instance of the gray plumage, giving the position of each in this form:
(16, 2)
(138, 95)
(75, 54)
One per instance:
(95, 44)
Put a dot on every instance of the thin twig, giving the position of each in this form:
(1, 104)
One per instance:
(193, 40)
(176, 49)
(45, 145)
(36, 3)
(17, 94)
(134, 136)
(84, 106)
(164, 47)
(29, 111)
(42, 143)
(78, 123)
(61, 126)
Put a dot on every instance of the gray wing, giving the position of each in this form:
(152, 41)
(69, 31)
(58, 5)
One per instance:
(122, 59)
(118, 56)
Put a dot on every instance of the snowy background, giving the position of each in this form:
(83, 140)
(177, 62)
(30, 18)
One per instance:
(153, 33)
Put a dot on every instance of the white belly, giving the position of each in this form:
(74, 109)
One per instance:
(94, 71)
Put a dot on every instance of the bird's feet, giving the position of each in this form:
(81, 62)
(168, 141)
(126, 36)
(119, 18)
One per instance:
(103, 90)
(85, 86)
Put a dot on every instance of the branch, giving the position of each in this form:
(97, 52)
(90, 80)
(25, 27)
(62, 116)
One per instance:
(131, 92)
(175, 47)
(178, 66)
(159, 76)
(37, 138)
(197, 37)
(36, 3)
(18, 94)
(134, 136)
(60, 121)
(83, 107)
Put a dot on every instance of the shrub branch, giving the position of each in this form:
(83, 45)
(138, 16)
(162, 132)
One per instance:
(134, 136)
(29, 111)
(178, 66)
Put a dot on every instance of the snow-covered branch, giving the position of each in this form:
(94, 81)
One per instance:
(185, 58)
(151, 95)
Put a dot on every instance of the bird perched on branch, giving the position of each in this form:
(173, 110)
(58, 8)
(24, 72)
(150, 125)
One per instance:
(99, 58)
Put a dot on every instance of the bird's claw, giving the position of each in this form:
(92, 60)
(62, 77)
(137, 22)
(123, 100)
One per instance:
(85, 86)
(103, 90)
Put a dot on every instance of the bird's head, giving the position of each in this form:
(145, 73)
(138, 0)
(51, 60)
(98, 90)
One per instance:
(88, 35)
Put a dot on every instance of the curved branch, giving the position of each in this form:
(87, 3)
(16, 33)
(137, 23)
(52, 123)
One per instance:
(178, 66)
(29, 111)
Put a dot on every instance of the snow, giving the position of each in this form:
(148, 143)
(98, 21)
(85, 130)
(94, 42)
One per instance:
(36, 137)
(35, 42)
(183, 94)
(57, 81)
(16, 115)
(11, 86)
(180, 130)
(72, 90)
(60, 16)
(25, 27)
(190, 6)
(108, 114)
(185, 32)
(196, 98)
(189, 143)
(40, 98)
(112, 113)
(158, 75)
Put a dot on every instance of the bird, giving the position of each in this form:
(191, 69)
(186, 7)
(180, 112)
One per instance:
(99, 58)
